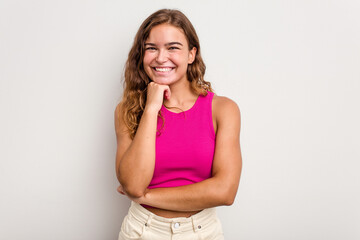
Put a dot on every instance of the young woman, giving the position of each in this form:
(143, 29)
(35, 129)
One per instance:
(166, 125)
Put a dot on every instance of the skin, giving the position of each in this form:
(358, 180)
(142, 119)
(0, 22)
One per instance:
(167, 47)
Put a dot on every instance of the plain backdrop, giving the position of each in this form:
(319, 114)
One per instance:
(293, 68)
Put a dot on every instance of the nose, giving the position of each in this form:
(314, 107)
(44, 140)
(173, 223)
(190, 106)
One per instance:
(162, 56)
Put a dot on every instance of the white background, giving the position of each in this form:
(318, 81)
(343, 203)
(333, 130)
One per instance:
(293, 67)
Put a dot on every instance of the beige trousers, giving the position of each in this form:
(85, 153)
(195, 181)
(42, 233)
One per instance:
(141, 224)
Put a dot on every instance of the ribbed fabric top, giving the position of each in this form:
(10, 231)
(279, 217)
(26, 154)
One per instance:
(185, 145)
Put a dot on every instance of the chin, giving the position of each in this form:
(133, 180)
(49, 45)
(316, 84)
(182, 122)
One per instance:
(163, 81)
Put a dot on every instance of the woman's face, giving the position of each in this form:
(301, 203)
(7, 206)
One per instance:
(167, 55)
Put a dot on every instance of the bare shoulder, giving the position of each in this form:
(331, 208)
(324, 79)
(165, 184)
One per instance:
(224, 109)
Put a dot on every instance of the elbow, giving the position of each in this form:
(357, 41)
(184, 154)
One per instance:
(227, 191)
(228, 198)
(133, 191)
(133, 188)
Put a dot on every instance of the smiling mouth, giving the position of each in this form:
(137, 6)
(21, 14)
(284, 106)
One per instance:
(163, 69)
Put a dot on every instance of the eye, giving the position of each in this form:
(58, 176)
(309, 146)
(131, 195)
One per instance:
(150, 48)
(173, 48)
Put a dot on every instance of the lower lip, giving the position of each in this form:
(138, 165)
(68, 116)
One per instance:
(162, 73)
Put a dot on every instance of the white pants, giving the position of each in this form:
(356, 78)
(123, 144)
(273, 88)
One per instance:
(141, 224)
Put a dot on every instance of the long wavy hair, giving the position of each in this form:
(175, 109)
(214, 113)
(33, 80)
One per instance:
(135, 78)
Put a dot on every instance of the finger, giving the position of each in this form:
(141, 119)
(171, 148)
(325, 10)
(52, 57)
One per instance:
(167, 93)
(121, 192)
(120, 189)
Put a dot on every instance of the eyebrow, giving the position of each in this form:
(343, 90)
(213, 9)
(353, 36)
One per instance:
(166, 44)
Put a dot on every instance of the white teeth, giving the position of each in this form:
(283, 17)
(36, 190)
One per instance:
(163, 69)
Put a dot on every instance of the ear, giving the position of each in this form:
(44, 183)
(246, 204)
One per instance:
(192, 54)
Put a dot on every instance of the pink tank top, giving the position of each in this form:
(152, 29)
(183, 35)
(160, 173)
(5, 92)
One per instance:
(185, 145)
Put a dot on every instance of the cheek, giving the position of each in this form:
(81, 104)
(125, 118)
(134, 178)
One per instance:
(180, 60)
(146, 65)
(147, 59)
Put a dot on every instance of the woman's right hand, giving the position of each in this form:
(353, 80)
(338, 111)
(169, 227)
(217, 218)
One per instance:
(155, 96)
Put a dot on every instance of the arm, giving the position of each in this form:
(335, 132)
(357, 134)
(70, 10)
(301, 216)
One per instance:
(135, 159)
(222, 187)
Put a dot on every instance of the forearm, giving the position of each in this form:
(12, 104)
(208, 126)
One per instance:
(206, 194)
(136, 168)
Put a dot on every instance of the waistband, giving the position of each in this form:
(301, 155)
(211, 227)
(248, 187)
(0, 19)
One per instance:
(179, 224)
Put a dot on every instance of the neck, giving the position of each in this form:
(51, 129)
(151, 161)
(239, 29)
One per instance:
(181, 94)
